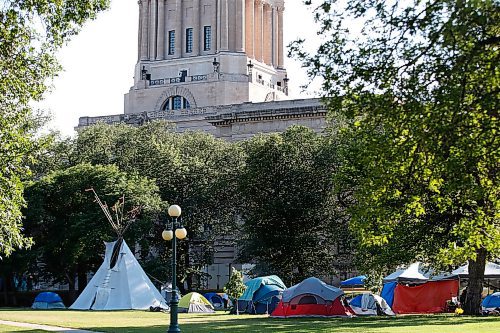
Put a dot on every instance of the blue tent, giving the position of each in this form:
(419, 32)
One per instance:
(48, 300)
(262, 295)
(388, 292)
(491, 302)
(357, 281)
(216, 299)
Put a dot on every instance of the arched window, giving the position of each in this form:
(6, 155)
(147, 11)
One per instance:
(176, 103)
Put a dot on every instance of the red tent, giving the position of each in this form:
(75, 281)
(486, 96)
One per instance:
(312, 298)
(429, 297)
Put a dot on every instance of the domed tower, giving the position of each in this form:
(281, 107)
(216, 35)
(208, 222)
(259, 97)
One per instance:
(201, 53)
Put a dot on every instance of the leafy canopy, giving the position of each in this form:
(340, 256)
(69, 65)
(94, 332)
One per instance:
(31, 32)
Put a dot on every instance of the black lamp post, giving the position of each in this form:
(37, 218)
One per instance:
(180, 232)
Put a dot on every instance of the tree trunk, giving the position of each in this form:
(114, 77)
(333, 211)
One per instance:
(472, 304)
(71, 286)
(82, 278)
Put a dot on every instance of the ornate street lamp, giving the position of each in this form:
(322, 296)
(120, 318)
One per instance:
(180, 232)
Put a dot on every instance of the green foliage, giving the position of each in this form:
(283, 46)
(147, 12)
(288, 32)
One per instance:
(69, 227)
(290, 221)
(193, 170)
(419, 86)
(30, 34)
(235, 287)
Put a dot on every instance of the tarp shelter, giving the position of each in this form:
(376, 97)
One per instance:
(218, 300)
(312, 298)
(413, 274)
(387, 292)
(491, 302)
(119, 284)
(261, 295)
(368, 304)
(491, 271)
(357, 281)
(195, 303)
(48, 300)
(429, 297)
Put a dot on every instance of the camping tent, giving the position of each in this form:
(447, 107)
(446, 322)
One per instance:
(491, 271)
(413, 290)
(369, 304)
(261, 295)
(120, 283)
(413, 274)
(218, 300)
(357, 281)
(48, 300)
(491, 302)
(195, 303)
(312, 298)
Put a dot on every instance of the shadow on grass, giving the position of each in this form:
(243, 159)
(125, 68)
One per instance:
(312, 325)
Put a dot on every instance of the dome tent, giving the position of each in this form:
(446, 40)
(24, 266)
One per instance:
(48, 300)
(262, 295)
(312, 298)
(491, 302)
(218, 300)
(195, 303)
(368, 304)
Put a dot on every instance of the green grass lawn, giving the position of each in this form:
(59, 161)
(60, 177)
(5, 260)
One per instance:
(5, 328)
(149, 322)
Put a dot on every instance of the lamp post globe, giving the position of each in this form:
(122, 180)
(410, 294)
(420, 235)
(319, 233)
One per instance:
(167, 235)
(174, 211)
(181, 233)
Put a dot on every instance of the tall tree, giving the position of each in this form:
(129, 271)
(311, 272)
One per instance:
(31, 32)
(419, 86)
(290, 225)
(68, 226)
(194, 170)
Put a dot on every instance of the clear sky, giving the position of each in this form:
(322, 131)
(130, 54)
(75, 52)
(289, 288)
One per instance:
(99, 63)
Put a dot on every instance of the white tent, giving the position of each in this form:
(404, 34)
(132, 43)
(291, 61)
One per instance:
(368, 304)
(490, 271)
(122, 286)
(414, 273)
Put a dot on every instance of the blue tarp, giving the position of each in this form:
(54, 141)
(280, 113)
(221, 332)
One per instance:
(261, 295)
(355, 281)
(388, 292)
(356, 301)
(214, 298)
(492, 301)
(48, 297)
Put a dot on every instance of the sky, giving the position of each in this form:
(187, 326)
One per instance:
(99, 63)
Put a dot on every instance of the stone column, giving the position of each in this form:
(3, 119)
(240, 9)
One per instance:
(240, 26)
(267, 35)
(275, 37)
(153, 11)
(179, 28)
(160, 50)
(197, 36)
(281, 57)
(224, 30)
(258, 22)
(144, 24)
(249, 27)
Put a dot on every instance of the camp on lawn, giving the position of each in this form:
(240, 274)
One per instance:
(48, 300)
(219, 301)
(261, 295)
(312, 298)
(195, 303)
(120, 283)
(368, 304)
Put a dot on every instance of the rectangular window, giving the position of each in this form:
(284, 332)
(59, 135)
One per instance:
(177, 103)
(207, 33)
(171, 42)
(189, 40)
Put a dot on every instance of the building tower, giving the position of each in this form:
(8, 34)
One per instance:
(200, 53)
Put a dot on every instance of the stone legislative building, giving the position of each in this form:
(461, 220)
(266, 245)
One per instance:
(215, 66)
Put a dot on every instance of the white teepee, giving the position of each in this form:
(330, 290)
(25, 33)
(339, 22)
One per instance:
(123, 286)
(120, 283)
